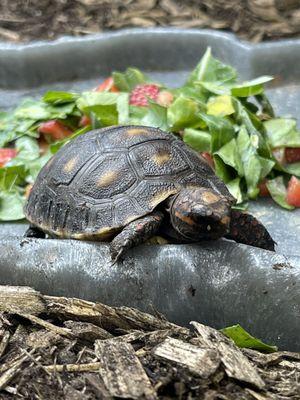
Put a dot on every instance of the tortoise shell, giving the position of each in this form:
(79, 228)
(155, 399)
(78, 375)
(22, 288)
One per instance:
(100, 181)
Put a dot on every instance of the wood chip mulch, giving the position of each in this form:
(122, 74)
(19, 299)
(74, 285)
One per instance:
(66, 348)
(253, 20)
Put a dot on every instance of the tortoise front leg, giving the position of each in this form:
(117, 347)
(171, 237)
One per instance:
(136, 232)
(34, 232)
(244, 228)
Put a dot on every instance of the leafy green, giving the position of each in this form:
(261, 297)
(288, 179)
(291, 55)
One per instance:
(212, 111)
(229, 153)
(197, 139)
(57, 97)
(156, 116)
(243, 339)
(250, 88)
(11, 176)
(255, 167)
(220, 106)
(210, 69)
(11, 206)
(109, 108)
(282, 132)
(182, 113)
(129, 79)
(221, 130)
(277, 190)
(235, 189)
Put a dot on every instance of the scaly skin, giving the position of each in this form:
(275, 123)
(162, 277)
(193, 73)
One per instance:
(135, 233)
(244, 228)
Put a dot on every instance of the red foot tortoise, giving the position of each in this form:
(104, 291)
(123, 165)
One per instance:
(125, 184)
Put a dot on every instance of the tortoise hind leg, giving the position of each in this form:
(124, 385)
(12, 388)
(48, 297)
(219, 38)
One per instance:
(244, 228)
(136, 232)
(34, 232)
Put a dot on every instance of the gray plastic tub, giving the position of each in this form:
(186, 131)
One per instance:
(219, 283)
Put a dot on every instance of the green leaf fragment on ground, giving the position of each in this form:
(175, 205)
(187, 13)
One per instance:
(243, 339)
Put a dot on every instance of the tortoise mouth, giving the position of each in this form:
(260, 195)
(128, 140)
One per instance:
(196, 228)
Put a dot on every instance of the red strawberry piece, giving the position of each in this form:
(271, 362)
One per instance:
(292, 154)
(6, 154)
(85, 120)
(293, 192)
(107, 86)
(263, 189)
(140, 94)
(55, 128)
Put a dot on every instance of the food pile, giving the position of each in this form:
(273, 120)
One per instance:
(67, 348)
(231, 124)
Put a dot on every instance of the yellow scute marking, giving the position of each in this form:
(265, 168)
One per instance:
(161, 196)
(136, 131)
(161, 158)
(107, 178)
(210, 197)
(70, 165)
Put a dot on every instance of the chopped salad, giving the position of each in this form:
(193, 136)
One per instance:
(232, 124)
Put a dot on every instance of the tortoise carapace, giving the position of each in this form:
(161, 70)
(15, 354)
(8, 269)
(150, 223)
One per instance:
(125, 184)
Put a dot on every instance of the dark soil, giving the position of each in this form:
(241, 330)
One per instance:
(254, 20)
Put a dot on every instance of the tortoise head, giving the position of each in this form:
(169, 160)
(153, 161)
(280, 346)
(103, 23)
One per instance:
(200, 213)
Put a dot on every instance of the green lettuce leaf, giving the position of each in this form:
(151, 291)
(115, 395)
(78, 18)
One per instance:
(235, 189)
(129, 79)
(156, 116)
(109, 108)
(229, 153)
(183, 113)
(220, 106)
(57, 97)
(250, 88)
(209, 69)
(243, 339)
(282, 132)
(11, 176)
(11, 206)
(197, 139)
(277, 191)
(221, 130)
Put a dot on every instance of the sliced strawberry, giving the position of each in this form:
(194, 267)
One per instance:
(107, 86)
(208, 157)
(292, 154)
(55, 129)
(85, 121)
(6, 155)
(164, 98)
(140, 94)
(263, 190)
(293, 192)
